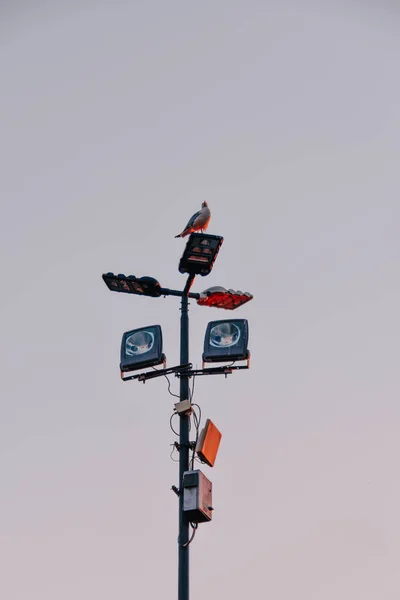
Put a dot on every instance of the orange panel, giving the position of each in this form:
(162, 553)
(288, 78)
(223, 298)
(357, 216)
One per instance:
(208, 443)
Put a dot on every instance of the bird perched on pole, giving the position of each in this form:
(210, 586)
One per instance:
(199, 221)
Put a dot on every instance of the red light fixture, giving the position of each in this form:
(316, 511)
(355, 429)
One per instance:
(219, 297)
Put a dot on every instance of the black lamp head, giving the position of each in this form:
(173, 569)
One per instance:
(141, 348)
(226, 340)
(143, 286)
(200, 253)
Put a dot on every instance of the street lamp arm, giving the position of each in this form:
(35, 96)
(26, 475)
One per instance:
(168, 292)
(189, 284)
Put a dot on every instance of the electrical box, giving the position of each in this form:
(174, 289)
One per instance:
(183, 407)
(197, 497)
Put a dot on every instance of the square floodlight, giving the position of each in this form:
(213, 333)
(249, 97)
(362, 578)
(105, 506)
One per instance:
(226, 341)
(141, 348)
(208, 443)
(200, 253)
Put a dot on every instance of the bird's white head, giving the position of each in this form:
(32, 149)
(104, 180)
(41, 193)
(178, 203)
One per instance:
(204, 204)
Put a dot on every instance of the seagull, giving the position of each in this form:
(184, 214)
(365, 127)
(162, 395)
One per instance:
(199, 221)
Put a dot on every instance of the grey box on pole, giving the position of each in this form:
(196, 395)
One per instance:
(197, 497)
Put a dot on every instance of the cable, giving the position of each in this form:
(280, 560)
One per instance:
(172, 451)
(199, 417)
(194, 526)
(169, 388)
(170, 423)
(169, 385)
(231, 365)
(197, 421)
(192, 392)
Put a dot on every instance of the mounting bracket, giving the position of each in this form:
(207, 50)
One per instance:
(225, 370)
(158, 373)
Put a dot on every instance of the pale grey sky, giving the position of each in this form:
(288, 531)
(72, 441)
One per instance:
(117, 120)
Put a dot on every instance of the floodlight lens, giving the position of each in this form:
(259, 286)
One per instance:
(139, 343)
(224, 335)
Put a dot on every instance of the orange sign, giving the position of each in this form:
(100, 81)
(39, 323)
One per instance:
(208, 443)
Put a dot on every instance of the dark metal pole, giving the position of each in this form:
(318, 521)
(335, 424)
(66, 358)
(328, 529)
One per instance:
(183, 552)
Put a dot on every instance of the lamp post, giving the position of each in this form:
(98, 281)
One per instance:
(183, 537)
(198, 258)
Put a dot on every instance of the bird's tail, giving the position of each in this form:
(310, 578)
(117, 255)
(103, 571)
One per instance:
(184, 233)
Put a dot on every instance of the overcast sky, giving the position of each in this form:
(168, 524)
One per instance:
(117, 120)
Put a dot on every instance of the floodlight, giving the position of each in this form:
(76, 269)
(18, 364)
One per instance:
(141, 348)
(200, 253)
(208, 443)
(144, 286)
(226, 341)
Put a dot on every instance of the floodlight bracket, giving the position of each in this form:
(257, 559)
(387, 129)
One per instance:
(158, 373)
(191, 445)
(224, 370)
(176, 490)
